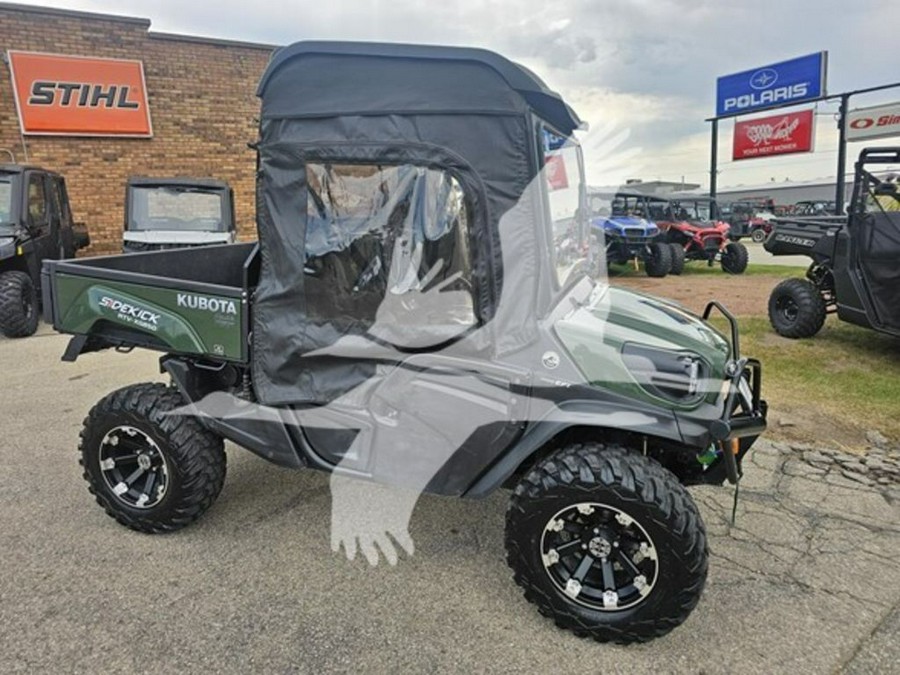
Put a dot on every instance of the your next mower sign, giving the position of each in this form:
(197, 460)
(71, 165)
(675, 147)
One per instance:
(779, 84)
(784, 134)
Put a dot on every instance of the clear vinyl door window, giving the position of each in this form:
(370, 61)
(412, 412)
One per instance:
(388, 246)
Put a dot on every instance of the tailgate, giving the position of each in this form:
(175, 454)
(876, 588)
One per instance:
(122, 309)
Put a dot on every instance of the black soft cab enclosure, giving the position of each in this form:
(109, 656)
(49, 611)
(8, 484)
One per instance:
(375, 161)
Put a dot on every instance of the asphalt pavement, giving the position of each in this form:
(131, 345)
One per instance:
(807, 581)
(760, 256)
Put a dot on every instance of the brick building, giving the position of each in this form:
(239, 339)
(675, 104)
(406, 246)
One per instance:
(201, 95)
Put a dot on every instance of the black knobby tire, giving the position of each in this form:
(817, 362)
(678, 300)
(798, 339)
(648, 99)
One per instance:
(796, 309)
(758, 235)
(18, 305)
(659, 262)
(678, 259)
(194, 457)
(735, 258)
(642, 489)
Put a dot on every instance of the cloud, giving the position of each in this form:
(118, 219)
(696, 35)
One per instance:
(648, 66)
(554, 41)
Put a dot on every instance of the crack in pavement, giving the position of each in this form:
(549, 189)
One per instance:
(799, 532)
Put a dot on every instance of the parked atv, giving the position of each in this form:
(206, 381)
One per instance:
(163, 213)
(854, 271)
(694, 224)
(35, 225)
(748, 218)
(401, 321)
(623, 234)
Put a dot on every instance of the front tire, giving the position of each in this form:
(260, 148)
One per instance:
(796, 309)
(607, 543)
(735, 258)
(758, 235)
(659, 262)
(18, 305)
(678, 259)
(150, 471)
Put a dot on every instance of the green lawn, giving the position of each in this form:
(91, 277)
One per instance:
(848, 375)
(702, 269)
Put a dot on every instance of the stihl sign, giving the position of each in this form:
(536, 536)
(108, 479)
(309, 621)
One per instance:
(77, 96)
(774, 135)
(877, 122)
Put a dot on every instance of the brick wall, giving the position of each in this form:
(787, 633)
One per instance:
(202, 102)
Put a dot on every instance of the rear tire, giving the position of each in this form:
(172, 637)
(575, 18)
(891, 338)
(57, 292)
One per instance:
(659, 262)
(796, 309)
(758, 235)
(150, 471)
(18, 305)
(678, 259)
(619, 502)
(735, 258)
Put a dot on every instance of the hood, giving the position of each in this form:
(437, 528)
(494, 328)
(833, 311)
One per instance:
(618, 223)
(595, 334)
(177, 237)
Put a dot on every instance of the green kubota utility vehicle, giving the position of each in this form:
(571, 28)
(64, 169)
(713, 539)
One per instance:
(401, 320)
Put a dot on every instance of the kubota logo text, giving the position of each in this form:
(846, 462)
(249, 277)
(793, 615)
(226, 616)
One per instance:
(209, 304)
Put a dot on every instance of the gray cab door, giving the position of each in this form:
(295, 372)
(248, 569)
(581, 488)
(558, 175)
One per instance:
(426, 422)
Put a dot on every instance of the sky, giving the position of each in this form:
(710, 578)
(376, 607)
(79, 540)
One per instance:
(642, 73)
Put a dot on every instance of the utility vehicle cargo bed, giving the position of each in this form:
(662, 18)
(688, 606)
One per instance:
(814, 237)
(190, 301)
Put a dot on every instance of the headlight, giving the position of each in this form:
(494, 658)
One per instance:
(677, 376)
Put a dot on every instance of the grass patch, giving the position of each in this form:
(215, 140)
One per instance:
(702, 269)
(846, 376)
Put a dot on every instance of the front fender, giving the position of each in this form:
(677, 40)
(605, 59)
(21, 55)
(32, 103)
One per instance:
(603, 415)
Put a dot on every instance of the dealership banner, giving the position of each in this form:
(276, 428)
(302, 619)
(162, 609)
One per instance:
(774, 135)
(876, 122)
(60, 95)
(779, 84)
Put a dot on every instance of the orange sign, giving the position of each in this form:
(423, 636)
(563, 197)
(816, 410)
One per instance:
(60, 95)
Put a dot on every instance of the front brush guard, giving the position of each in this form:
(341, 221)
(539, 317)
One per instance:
(745, 389)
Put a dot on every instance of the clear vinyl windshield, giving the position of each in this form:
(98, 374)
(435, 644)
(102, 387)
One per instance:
(564, 181)
(183, 209)
(694, 210)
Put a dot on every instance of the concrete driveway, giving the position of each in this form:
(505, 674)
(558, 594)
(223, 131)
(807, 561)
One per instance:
(808, 581)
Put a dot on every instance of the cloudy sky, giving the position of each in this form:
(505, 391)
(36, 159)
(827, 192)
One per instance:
(641, 72)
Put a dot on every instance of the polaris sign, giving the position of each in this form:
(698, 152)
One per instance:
(780, 84)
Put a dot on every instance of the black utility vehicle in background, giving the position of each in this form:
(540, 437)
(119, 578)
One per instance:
(35, 225)
(855, 271)
(165, 213)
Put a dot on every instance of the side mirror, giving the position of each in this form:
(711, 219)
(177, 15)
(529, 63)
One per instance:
(80, 236)
(885, 189)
